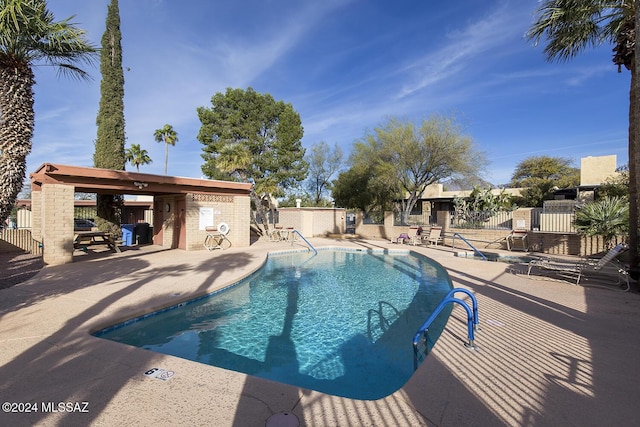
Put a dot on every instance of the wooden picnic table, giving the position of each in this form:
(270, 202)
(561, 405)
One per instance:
(82, 239)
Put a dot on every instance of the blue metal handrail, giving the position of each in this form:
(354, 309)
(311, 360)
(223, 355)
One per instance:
(468, 243)
(306, 241)
(472, 321)
(474, 304)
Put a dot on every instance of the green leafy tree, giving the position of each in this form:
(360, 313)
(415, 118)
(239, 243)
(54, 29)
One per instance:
(360, 187)
(29, 36)
(169, 136)
(607, 217)
(409, 157)
(109, 145)
(250, 137)
(323, 165)
(615, 186)
(137, 156)
(541, 176)
(568, 27)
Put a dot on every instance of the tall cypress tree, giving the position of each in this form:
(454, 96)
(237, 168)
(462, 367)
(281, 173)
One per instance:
(109, 145)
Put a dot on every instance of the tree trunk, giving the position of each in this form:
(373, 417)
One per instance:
(634, 153)
(166, 156)
(16, 131)
(260, 212)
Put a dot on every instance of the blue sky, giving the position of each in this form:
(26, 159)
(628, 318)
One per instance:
(345, 66)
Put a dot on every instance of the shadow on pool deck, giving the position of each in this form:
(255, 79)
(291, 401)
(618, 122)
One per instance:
(550, 353)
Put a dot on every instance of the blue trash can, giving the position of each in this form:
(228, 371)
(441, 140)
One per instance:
(127, 234)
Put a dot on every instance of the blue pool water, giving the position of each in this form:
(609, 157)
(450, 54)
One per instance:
(339, 322)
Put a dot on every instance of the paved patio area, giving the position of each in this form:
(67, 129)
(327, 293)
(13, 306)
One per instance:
(550, 353)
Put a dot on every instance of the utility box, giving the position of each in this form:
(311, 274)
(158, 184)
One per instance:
(142, 233)
(127, 234)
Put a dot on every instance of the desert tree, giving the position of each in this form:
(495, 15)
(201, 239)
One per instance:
(405, 158)
(324, 163)
(540, 176)
(251, 137)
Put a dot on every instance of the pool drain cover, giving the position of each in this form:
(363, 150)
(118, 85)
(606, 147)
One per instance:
(283, 419)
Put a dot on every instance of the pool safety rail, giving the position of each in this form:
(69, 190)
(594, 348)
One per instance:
(421, 338)
(468, 243)
(305, 240)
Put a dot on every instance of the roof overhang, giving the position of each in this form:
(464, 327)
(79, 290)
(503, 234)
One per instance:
(107, 181)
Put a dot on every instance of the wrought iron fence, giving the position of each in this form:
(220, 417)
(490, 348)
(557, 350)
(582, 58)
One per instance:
(483, 220)
(554, 220)
(373, 218)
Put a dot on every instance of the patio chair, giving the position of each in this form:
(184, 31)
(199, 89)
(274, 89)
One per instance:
(402, 238)
(416, 239)
(216, 237)
(435, 236)
(606, 266)
(517, 239)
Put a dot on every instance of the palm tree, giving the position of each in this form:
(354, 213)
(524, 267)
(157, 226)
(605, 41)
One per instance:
(169, 136)
(29, 35)
(137, 156)
(569, 26)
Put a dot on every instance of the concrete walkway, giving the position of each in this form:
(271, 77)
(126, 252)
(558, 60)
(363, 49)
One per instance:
(550, 353)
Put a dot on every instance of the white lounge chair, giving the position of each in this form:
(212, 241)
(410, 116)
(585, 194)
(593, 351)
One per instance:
(435, 236)
(606, 266)
(416, 238)
(216, 237)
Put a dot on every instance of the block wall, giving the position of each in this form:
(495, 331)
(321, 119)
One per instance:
(234, 210)
(312, 222)
(57, 223)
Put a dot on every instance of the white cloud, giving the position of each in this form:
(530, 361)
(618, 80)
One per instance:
(465, 49)
(478, 66)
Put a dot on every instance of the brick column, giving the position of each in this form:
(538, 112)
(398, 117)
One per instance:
(57, 223)
(389, 232)
(36, 215)
(522, 219)
(443, 219)
(242, 219)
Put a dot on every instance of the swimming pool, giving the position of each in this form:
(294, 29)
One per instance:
(339, 322)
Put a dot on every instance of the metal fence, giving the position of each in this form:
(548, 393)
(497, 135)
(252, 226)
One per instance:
(85, 212)
(483, 220)
(21, 239)
(557, 223)
(129, 215)
(373, 218)
(550, 221)
(557, 216)
(420, 219)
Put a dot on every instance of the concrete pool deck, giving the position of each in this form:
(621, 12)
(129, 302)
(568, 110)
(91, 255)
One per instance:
(550, 353)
